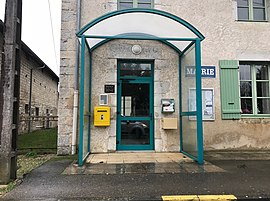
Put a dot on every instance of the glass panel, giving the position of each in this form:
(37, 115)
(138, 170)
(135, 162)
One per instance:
(135, 100)
(258, 3)
(245, 73)
(258, 14)
(144, 5)
(189, 135)
(188, 81)
(243, 14)
(126, 106)
(262, 89)
(86, 119)
(188, 96)
(141, 22)
(246, 106)
(246, 89)
(263, 106)
(242, 2)
(135, 132)
(262, 72)
(125, 5)
(144, 1)
(135, 69)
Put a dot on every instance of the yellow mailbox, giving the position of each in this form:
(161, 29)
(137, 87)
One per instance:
(102, 116)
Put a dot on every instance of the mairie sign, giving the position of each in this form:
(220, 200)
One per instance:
(207, 71)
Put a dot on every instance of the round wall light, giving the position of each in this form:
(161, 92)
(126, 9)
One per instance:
(136, 49)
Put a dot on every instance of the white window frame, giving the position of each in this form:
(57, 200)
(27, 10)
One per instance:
(251, 13)
(254, 89)
(135, 3)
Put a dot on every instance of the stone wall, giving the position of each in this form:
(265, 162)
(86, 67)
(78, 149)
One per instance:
(44, 94)
(1, 48)
(44, 90)
(225, 38)
(67, 70)
(165, 86)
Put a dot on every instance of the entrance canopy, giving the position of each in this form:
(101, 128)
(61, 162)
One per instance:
(147, 24)
(142, 24)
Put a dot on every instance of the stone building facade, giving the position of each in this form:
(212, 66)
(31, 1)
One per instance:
(44, 97)
(228, 36)
(44, 92)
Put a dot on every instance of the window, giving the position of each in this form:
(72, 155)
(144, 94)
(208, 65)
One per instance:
(37, 111)
(254, 88)
(26, 108)
(126, 4)
(253, 10)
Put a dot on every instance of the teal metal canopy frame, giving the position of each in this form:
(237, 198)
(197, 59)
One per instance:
(86, 73)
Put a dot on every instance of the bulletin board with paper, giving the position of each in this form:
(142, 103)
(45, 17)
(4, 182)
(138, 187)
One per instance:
(207, 103)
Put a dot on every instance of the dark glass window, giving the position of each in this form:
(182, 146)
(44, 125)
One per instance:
(26, 108)
(254, 88)
(127, 4)
(243, 13)
(253, 10)
(135, 69)
(144, 3)
(37, 111)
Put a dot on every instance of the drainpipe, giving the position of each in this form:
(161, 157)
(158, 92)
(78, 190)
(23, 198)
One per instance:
(76, 86)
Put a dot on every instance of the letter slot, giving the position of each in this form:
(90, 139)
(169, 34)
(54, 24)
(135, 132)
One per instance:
(102, 116)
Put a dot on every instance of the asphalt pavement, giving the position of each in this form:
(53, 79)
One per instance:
(245, 175)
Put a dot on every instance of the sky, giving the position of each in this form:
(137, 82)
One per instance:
(37, 29)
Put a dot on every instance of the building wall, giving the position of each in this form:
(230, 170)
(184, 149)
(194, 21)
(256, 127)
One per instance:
(165, 86)
(66, 78)
(1, 48)
(225, 38)
(44, 89)
(44, 94)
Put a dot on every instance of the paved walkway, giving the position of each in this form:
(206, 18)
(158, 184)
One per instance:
(246, 179)
(140, 163)
(137, 157)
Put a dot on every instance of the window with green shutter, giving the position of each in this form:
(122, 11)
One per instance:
(229, 89)
(254, 88)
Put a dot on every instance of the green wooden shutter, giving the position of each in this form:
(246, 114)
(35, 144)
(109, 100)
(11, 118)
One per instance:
(229, 89)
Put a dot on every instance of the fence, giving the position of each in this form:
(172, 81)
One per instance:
(37, 122)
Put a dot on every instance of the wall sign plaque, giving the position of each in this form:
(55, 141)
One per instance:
(109, 88)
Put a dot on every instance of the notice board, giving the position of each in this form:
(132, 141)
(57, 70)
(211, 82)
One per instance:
(208, 108)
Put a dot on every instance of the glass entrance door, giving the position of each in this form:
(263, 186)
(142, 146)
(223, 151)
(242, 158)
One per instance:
(135, 106)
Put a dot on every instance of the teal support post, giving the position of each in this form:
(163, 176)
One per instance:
(81, 102)
(180, 104)
(199, 101)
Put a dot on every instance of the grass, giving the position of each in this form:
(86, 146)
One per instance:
(26, 163)
(7, 188)
(38, 142)
(33, 149)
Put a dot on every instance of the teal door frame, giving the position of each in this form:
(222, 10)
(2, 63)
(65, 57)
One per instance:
(135, 80)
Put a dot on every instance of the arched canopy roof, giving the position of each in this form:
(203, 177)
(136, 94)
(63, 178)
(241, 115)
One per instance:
(140, 24)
